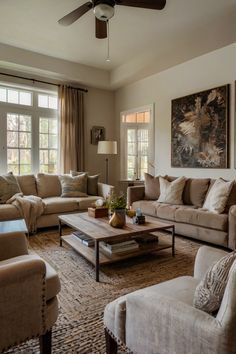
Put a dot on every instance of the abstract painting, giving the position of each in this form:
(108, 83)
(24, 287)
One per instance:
(199, 129)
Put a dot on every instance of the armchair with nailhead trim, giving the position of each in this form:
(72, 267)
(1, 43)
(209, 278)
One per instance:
(28, 295)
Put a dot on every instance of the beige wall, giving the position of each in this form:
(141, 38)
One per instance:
(99, 111)
(205, 72)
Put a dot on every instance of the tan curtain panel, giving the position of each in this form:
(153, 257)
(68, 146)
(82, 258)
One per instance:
(71, 115)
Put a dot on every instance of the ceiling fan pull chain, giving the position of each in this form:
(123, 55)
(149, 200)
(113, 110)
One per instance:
(108, 42)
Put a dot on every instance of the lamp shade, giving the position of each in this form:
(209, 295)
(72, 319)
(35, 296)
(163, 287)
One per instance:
(107, 147)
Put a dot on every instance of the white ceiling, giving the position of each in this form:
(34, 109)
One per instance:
(139, 38)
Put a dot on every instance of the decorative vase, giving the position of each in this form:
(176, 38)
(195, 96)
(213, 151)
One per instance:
(118, 218)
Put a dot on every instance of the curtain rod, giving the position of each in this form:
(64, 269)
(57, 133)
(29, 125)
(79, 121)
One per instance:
(42, 82)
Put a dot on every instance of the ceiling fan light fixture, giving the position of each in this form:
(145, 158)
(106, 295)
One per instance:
(104, 12)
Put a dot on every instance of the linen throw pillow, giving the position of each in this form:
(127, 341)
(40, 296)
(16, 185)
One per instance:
(210, 291)
(171, 192)
(74, 186)
(8, 187)
(218, 195)
(92, 182)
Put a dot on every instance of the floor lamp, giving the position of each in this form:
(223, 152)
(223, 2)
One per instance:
(107, 148)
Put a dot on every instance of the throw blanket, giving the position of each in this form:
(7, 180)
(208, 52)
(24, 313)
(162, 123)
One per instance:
(30, 208)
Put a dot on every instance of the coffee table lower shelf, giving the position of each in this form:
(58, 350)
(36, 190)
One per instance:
(89, 252)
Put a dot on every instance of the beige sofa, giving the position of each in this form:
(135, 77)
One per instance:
(48, 187)
(190, 219)
(161, 318)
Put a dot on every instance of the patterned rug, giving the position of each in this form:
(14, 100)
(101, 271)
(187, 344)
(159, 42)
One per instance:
(79, 328)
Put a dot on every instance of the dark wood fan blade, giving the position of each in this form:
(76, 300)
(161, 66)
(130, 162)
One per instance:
(145, 4)
(101, 29)
(76, 14)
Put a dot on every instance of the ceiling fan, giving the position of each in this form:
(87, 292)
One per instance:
(104, 10)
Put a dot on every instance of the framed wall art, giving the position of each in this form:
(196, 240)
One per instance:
(97, 134)
(199, 129)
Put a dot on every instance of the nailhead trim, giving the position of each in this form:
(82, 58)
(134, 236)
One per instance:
(118, 341)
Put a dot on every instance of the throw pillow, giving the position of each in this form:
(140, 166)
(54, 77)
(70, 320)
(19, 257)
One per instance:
(74, 186)
(171, 192)
(8, 187)
(195, 191)
(218, 195)
(210, 291)
(92, 182)
(152, 187)
(48, 185)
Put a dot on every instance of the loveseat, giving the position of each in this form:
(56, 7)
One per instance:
(190, 219)
(48, 187)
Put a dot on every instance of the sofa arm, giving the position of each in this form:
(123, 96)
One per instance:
(104, 190)
(232, 228)
(205, 257)
(163, 322)
(135, 193)
(12, 245)
(22, 301)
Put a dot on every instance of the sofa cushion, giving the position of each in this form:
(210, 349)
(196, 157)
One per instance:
(85, 203)
(8, 212)
(57, 205)
(74, 186)
(152, 187)
(147, 207)
(8, 187)
(202, 218)
(166, 211)
(217, 197)
(48, 185)
(195, 191)
(52, 280)
(171, 192)
(27, 184)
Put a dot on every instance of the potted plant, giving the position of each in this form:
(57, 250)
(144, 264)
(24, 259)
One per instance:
(117, 206)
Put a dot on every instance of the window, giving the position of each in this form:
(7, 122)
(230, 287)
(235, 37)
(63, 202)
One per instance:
(18, 143)
(48, 132)
(12, 95)
(28, 131)
(136, 142)
(47, 101)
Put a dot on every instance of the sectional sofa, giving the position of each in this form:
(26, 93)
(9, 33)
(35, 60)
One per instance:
(48, 187)
(190, 219)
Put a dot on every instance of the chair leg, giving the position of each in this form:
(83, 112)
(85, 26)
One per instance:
(111, 345)
(46, 343)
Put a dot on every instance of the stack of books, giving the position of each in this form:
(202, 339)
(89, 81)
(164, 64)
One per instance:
(86, 240)
(121, 247)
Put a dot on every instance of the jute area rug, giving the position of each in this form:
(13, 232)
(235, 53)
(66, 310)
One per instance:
(79, 328)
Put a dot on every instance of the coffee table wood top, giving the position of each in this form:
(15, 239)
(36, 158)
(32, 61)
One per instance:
(100, 230)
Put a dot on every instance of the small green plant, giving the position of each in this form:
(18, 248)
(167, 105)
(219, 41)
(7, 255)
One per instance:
(115, 201)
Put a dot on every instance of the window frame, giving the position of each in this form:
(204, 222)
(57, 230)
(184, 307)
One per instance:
(35, 112)
(123, 138)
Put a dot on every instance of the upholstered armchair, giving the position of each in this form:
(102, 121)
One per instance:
(161, 319)
(28, 289)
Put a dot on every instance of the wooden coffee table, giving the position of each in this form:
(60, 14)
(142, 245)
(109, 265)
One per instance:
(100, 230)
